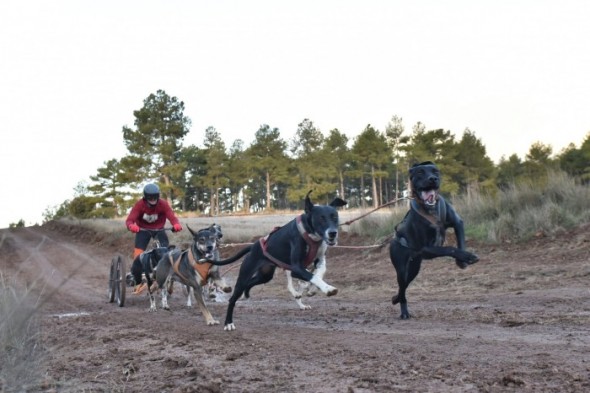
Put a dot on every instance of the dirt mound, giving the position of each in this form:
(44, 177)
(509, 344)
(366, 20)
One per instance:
(519, 320)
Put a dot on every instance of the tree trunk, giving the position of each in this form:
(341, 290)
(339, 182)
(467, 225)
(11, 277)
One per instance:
(341, 175)
(362, 191)
(169, 194)
(268, 201)
(211, 201)
(396, 182)
(374, 187)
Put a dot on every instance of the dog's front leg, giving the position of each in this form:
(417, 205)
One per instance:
(152, 300)
(302, 273)
(319, 270)
(462, 258)
(189, 302)
(297, 257)
(323, 286)
(198, 294)
(164, 294)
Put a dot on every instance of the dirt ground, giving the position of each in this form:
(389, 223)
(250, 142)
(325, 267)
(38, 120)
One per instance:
(519, 320)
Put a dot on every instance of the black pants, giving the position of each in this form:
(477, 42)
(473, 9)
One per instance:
(142, 238)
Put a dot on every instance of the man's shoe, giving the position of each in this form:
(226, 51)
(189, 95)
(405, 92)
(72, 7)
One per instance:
(139, 288)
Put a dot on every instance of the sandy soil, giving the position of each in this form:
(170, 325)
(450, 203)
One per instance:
(519, 320)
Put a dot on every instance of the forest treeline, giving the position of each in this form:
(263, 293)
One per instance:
(274, 173)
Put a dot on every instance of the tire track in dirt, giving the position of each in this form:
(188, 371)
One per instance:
(58, 269)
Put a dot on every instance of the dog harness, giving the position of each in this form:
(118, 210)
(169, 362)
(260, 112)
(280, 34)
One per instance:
(313, 244)
(201, 268)
(436, 219)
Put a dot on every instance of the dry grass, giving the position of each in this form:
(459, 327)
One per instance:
(245, 228)
(515, 214)
(526, 209)
(21, 355)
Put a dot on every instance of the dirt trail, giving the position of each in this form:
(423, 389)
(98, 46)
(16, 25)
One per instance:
(519, 320)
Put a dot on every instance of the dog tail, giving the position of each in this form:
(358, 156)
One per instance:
(233, 258)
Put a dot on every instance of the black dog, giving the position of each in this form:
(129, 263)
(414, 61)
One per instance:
(144, 264)
(421, 234)
(293, 246)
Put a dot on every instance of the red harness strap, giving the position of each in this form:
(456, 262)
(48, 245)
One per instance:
(313, 244)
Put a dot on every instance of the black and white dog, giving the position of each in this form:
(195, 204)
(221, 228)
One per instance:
(421, 234)
(293, 247)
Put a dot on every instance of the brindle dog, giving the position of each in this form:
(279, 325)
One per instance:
(191, 268)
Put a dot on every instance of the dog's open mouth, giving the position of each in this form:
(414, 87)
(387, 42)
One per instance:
(429, 197)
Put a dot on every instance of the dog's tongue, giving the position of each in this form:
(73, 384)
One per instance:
(429, 197)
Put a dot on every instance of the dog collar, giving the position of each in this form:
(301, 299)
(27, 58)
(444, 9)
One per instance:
(312, 236)
(313, 244)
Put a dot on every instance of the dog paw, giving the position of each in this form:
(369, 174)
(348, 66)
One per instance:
(212, 322)
(395, 299)
(461, 264)
(466, 259)
(331, 291)
(229, 327)
(310, 292)
(405, 314)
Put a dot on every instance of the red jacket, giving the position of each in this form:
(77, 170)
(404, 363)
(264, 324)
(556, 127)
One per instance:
(151, 217)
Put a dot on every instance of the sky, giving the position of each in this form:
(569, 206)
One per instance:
(73, 72)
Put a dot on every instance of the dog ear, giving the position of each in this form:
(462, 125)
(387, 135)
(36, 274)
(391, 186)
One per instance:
(190, 230)
(338, 202)
(308, 203)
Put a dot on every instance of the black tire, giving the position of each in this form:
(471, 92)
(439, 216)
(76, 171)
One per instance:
(120, 284)
(111, 288)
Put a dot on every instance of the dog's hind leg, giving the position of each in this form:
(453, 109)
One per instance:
(296, 295)
(247, 270)
(407, 268)
(263, 275)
